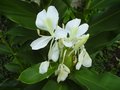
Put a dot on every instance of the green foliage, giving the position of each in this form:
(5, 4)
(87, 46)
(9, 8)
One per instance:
(49, 86)
(12, 67)
(31, 75)
(103, 17)
(4, 49)
(20, 12)
(104, 24)
(94, 81)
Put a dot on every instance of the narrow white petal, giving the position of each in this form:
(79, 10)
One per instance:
(54, 52)
(40, 42)
(52, 14)
(87, 62)
(78, 65)
(80, 60)
(72, 24)
(82, 29)
(81, 56)
(44, 67)
(60, 33)
(41, 16)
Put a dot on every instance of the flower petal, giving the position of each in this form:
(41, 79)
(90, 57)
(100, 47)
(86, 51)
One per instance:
(78, 65)
(52, 14)
(60, 33)
(81, 41)
(44, 67)
(40, 42)
(72, 24)
(66, 68)
(62, 76)
(63, 72)
(54, 52)
(80, 60)
(82, 29)
(41, 16)
(87, 62)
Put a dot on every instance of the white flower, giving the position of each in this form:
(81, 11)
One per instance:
(73, 36)
(81, 41)
(54, 52)
(46, 21)
(75, 32)
(40, 42)
(44, 67)
(60, 33)
(83, 59)
(62, 72)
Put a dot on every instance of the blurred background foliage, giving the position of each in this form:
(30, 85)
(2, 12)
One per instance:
(18, 30)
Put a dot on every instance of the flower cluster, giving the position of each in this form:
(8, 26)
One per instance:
(66, 41)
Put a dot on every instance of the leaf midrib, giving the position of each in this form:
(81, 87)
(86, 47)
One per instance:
(105, 18)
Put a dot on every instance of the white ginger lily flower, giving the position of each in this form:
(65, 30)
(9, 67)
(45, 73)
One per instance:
(75, 32)
(60, 33)
(83, 59)
(62, 72)
(46, 21)
(53, 53)
(44, 67)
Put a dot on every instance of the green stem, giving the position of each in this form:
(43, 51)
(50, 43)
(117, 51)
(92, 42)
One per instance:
(88, 4)
(86, 8)
(64, 56)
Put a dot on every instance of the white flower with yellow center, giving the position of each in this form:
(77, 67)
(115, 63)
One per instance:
(72, 36)
(46, 21)
(75, 32)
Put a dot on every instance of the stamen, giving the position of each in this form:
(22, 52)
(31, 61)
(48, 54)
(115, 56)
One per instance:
(64, 56)
(38, 32)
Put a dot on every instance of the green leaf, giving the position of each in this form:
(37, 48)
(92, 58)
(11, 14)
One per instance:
(20, 31)
(19, 35)
(104, 28)
(12, 67)
(107, 21)
(53, 85)
(99, 41)
(20, 12)
(4, 49)
(94, 81)
(9, 83)
(95, 4)
(31, 75)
